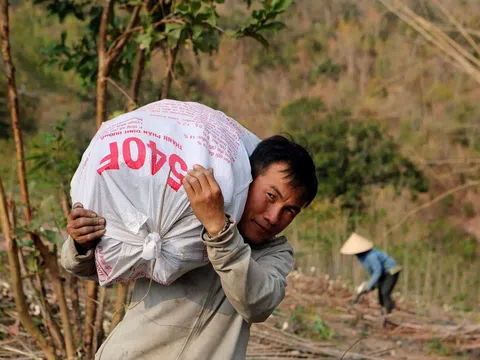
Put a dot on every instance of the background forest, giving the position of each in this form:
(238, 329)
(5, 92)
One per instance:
(390, 116)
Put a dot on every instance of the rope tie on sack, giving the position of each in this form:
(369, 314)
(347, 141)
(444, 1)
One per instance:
(153, 243)
(152, 247)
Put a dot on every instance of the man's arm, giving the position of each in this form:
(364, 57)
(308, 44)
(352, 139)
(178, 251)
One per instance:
(254, 288)
(78, 252)
(80, 264)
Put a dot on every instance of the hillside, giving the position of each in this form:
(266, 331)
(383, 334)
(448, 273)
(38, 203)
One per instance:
(349, 61)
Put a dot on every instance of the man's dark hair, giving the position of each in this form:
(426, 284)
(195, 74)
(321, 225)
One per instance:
(300, 167)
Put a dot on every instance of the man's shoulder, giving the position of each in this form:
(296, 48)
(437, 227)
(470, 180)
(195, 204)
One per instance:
(277, 243)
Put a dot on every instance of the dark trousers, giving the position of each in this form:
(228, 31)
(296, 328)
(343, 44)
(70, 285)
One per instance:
(385, 287)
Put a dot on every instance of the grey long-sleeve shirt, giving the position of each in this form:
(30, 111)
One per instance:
(206, 313)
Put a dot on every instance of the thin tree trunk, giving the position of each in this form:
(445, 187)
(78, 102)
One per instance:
(38, 290)
(64, 202)
(14, 112)
(53, 273)
(169, 69)
(72, 282)
(64, 311)
(90, 310)
(98, 333)
(50, 322)
(439, 281)
(106, 59)
(455, 281)
(103, 70)
(417, 284)
(119, 307)
(138, 69)
(72, 285)
(427, 286)
(12, 217)
(463, 281)
(478, 287)
(136, 79)
(14, 108)
(122, 288)
(132, 103)
(101, 109)
(101, 97)
(15, 274)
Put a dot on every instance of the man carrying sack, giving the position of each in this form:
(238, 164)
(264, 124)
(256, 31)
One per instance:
(207, 312)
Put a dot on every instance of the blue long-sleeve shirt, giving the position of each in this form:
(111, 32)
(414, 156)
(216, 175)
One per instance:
(376, 263)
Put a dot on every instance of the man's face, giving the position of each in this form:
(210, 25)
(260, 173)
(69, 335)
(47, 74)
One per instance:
(272, 204)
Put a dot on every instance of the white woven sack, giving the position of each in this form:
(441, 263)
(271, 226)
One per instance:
(140, 157)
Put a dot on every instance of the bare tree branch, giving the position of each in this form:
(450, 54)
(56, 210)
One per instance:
(457, 25)
(140, 29)
(119, 88)
(430, 203)
(437, 37)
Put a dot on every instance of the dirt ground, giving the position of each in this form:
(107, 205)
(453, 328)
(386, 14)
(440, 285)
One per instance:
(315, 321)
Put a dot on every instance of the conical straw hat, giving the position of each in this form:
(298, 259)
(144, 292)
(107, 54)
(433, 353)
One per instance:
(356, 244)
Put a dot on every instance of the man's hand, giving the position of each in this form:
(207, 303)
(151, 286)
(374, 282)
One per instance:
(206, 199)
(85, 227)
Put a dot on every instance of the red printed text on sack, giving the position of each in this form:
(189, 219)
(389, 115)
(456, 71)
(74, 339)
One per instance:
(134, 152)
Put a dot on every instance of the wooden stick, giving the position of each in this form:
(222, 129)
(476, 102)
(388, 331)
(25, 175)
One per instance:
(28, 355)
(98, 333)
(119, 88)
(430, 203)
(16, 279)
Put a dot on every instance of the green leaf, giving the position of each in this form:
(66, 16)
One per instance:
(230, 33)
(159, 36)
(25, 243)
(36, 157)
(195, 6)
(35, 224)
(179, 69)
(20, 232)
(169, 27)
(50, 235)
(39, 165)
(182, 9)
(259, 38)
(274, 26)
(174, 32)
(207, 42)
(144, 40)
(197, 31)
(258, 15)
(280, 5)
(32, 261)
(209, 16)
